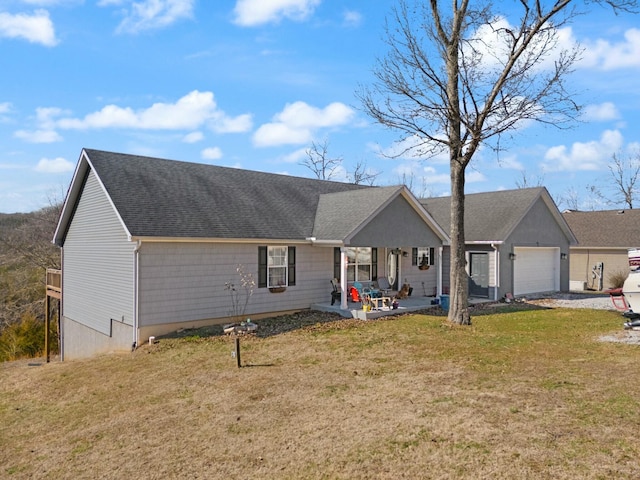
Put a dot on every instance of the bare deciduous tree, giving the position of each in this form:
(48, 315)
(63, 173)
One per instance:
(527, 181)
(361, 174)
(319, 162)
(624, 170)
(456, 79)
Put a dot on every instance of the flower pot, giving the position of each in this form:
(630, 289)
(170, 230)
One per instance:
(277, 289)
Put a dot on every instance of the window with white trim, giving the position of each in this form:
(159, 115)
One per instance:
(359, 264)
(423, 256)
(276, 266)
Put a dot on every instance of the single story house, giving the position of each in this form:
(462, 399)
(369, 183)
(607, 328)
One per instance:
(517, 242)
(152, 245)
(604, 238)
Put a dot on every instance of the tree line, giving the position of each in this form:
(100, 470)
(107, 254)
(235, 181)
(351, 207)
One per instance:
(26, 252)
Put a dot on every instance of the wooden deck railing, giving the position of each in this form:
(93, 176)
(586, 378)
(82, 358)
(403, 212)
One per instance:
(54, 283)
(54, 290)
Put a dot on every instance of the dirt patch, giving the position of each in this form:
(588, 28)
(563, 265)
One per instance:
(631, 337)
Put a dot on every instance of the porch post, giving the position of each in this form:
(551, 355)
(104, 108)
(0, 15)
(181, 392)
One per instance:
(343, 278)
(439, 273)
(496, 272)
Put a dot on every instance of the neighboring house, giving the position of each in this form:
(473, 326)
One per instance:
(517, 242)
(604, 238)
(149, 244)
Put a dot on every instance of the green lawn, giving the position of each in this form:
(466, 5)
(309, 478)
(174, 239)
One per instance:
(519, 394)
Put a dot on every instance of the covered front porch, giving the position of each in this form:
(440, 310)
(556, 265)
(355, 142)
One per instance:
(354, 309)
(405, 305)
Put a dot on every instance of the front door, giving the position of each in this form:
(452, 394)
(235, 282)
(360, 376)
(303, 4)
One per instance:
(479, 274)
(392, 270)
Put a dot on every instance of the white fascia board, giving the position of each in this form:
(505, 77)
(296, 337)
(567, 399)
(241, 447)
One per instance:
(484, 242)
(255, 241)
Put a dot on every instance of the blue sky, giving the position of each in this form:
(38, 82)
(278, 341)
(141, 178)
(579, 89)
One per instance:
(251, 83)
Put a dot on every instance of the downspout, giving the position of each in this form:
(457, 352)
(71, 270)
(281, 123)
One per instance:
(61, 306)
(496, 273)
(136, 285)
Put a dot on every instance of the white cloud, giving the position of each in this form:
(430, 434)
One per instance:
(474, 176)
(583, 156)
(239, 124)
(296, 156)
(193, 137)
(605, 55)
(273, 134)
(493, 44)
(50, 3)
(249, 13)
(46, 116)
(54, 165)
(5, 107)
(36, 28)
(600, 113)
(212, 153)
(510, 162)
(352, 18)
(189, 112)
(38, 136)
(430, 176)
(298, 121)
(152, 14)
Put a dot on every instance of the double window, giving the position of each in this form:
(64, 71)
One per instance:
(276, 266)
(362, 264)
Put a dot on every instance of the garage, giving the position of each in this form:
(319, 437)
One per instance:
(536, 269)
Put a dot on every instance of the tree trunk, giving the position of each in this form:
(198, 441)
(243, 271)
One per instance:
(458, 301)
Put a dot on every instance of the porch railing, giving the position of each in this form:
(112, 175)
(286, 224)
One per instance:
(54, 283)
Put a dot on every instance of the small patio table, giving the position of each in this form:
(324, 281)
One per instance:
(376, 302)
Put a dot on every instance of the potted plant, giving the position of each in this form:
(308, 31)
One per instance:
(277, 289)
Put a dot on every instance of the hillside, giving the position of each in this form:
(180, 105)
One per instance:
(26, 252)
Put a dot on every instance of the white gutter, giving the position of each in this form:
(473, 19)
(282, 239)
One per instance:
(335, 243)
(485, 242)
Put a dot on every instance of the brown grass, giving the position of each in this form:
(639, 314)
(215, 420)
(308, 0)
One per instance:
(520, 394)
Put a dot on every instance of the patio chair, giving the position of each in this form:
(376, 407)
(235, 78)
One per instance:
(336, 294)
(355, 295)
(385, 288)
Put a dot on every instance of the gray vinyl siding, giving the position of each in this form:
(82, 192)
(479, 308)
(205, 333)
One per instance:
(98, 281)
(424, 282)
(184, 282)
(398, 224)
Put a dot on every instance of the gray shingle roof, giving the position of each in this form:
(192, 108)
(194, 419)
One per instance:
(605, 228)
(167, 198)
(490, 216)
(339, 214)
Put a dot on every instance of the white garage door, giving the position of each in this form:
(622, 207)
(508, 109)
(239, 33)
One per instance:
(536, 270)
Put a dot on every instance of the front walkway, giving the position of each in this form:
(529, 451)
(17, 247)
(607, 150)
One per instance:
(406, 305)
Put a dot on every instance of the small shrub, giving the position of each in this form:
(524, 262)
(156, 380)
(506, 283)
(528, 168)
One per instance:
(617, 278)
(240, 293)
